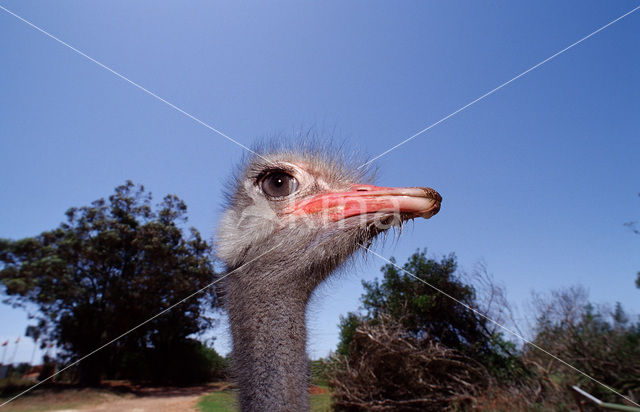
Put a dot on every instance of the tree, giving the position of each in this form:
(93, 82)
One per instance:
(415, 348)
(34, 333)
(426, 312)
(602, 343)
(109, 267)
(348, 326)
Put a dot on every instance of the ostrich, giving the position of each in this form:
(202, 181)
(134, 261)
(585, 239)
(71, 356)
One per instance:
(293, 217)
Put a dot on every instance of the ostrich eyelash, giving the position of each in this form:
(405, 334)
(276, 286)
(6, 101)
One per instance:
(257, 178)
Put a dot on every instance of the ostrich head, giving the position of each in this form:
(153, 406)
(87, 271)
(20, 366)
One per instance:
(313, 209)
(292, 217)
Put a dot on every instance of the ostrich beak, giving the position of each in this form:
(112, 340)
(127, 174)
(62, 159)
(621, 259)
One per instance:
(409, 202)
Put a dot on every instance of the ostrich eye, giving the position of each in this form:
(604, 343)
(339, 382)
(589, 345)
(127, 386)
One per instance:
(279, 184)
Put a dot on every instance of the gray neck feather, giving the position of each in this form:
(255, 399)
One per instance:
(267, 317)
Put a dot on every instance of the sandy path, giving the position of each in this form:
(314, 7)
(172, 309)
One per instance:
(133, 399)
(147, 404)
(151, 400)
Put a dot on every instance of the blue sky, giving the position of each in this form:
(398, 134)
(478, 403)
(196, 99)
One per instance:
(537, 178)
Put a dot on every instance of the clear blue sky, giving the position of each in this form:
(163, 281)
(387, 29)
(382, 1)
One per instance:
(537, 179)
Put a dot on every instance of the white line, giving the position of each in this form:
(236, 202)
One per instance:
(499, 87)
(498, 324)
(150, 93)
(136, 327)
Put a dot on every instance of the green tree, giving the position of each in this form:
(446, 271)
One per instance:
(348, 325)
(109, 267)
(413, 347)
(427, 313)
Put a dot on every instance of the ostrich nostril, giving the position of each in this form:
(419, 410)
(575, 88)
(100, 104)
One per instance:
(363, 188)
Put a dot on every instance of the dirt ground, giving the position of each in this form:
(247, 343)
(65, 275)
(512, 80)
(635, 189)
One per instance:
(163, 399)
(157, 399)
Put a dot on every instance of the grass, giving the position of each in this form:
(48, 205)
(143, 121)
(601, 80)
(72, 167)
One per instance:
(218, 402)
(321, 402)
(225, 401)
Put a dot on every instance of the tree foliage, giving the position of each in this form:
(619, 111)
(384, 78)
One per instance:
(435, 307)
(598, 341)
(109, 267)
(410, 324)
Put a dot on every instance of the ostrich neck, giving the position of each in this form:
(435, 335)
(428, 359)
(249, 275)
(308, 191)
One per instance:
(267, 317)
